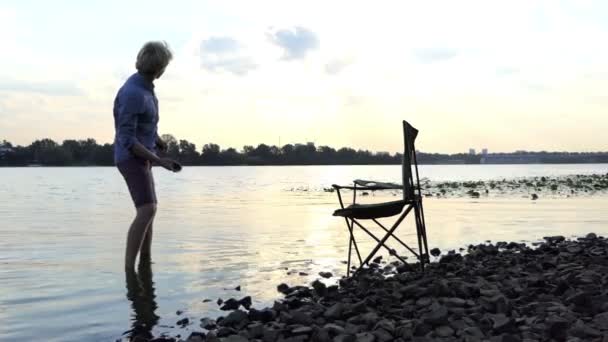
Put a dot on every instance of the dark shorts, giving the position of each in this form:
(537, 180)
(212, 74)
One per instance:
(138, 175)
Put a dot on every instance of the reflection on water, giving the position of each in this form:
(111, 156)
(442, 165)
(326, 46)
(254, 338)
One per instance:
(62, 239)
(140, 291)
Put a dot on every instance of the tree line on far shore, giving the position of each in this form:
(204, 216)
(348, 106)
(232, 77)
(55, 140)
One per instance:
(89, 153)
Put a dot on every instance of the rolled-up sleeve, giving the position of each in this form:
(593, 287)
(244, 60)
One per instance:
(130, 105)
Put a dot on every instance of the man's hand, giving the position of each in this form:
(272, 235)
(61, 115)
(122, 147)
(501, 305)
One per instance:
(170, 164)
(161, 145)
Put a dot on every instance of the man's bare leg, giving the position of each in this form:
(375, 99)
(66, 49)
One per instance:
(137, 231)
(145, 253)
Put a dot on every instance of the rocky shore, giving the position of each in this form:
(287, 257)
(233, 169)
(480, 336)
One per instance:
(554, 291)
(526, 187)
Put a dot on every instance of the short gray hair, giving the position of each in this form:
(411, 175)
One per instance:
(153, 57)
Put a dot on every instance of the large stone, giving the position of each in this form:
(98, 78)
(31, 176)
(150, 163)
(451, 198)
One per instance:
(366, 337)
(235, 338)
(334, 312)
(301, 317)
(557, 327)
(208, 323)
(265, 315)
(226, 331)
(270, 335)
(387, 325)
(369, 318)
(283, 288)
(554, 239)
(353, 329)
(334, 329)
(212, 337)
(383, 335)
(496, 304)
(230, 304)
(319, 287)
(301, 330)
(424, 301)
(455, 302)
(473, 331)
(444, 331)
(196, 337)
(183, 322)
(345, 338)
(437, 316)
(601, 321)
(256, 330)
(502, 323)
(246, 302)
(235, 319)
(299, 338)
(582, 330)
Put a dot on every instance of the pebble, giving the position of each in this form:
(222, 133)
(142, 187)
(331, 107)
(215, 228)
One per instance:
(230, 304)
(183, 322)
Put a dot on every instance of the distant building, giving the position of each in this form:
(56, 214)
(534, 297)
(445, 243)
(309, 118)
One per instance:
(453, 162)
(484, 152)
(510, 158)
(472, 151)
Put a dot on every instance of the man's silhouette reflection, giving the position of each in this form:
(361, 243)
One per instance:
(140, 291)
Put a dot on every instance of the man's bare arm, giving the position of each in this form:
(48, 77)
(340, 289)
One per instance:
(142, 152)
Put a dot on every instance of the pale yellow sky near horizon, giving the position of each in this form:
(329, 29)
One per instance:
(483, 74)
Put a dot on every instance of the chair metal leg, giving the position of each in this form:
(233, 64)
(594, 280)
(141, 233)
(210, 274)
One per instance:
(396, 238)
(350, 245)
(386, 236)
(424, 239)
(352, 230)
(419, 236)
(351, 242)
(390, 250)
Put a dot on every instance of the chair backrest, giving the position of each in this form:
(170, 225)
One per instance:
(409, 158)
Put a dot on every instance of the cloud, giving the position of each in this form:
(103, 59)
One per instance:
(43, 88)
(296, 42)
(537, 87)
(336, 66)
(220, 45)
(237, 65)
(596, 75)
(354, 100)
(225, 53)
(507, 71)
(431, 55)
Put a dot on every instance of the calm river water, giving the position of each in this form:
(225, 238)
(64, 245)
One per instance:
(62, 233)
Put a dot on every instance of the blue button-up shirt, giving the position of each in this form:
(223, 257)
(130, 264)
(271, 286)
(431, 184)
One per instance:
(135, 117)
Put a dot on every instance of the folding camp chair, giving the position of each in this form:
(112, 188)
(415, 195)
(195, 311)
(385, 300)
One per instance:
(412, 200)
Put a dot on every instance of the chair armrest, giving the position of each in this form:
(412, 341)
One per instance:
(347, 187)
(373, 185)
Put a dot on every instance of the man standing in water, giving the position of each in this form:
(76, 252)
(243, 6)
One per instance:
(135, 144)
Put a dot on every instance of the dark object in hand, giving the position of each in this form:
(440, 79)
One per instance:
(176, 167)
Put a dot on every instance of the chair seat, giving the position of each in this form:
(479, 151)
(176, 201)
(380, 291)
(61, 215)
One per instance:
(372, 211)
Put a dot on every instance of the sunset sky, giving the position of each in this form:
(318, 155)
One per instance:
(504, 75)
